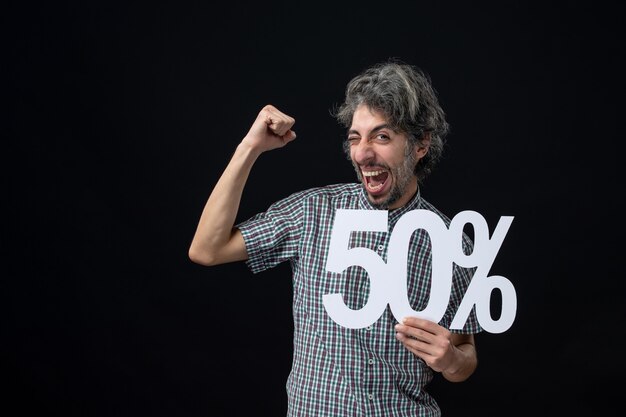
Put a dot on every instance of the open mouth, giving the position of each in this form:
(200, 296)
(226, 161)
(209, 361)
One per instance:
(375, 180)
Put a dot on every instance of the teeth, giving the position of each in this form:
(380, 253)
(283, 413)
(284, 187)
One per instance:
(372, 173)
(375, 187)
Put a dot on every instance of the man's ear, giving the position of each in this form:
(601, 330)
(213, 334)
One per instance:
(422, 148)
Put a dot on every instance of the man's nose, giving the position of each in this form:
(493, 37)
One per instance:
(363, 152)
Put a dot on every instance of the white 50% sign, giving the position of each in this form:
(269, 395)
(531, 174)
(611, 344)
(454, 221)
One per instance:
(388, 281)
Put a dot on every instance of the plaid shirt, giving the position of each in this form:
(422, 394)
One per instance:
(338, 371)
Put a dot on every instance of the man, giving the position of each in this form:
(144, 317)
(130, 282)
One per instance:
(396, 130)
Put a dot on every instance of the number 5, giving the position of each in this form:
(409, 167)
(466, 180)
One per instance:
(340, 258)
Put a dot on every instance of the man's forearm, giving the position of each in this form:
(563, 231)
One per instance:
(215, 228)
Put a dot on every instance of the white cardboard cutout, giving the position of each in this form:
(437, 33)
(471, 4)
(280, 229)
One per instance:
(388, 281)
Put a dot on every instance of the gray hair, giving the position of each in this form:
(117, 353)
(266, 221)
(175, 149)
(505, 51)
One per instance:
(404, 94)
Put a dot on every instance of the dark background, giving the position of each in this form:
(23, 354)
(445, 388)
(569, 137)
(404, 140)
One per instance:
(121, 117)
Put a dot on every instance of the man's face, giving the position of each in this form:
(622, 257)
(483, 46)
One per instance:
(383, 159)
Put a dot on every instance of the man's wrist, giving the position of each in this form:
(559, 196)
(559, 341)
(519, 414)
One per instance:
(247, 150)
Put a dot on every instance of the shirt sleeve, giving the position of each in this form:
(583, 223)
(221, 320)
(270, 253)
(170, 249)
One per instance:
(273, 237)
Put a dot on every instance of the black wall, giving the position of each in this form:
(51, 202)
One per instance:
(121, 117)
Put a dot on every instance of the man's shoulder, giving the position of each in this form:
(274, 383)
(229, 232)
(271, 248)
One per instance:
(331, 191)
(425, 205)
(333, 194)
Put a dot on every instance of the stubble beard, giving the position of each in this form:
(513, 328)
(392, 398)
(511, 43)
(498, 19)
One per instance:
(401, 175)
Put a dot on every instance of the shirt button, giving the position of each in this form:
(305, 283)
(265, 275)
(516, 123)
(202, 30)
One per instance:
(381, 247)
(371, 361)
(369, 327)
(370, 396)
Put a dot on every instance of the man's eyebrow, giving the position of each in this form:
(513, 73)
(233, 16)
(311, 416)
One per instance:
(375, 129)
